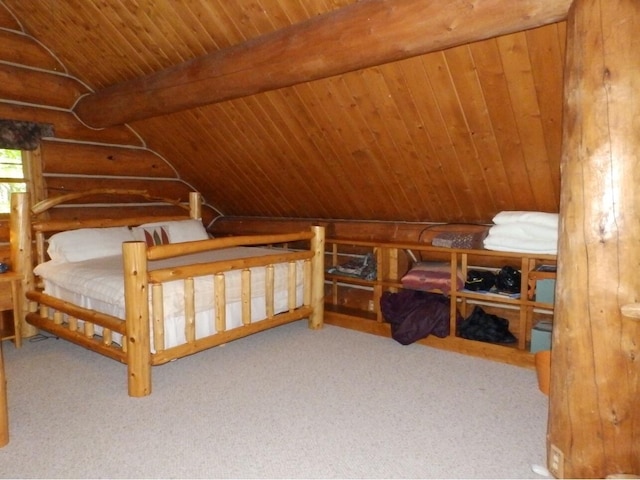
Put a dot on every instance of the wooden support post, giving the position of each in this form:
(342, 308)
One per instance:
(136, 287)
(594, 409)
(316, 319)
(22, 256)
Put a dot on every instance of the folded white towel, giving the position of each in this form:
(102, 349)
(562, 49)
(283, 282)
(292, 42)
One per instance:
(525, 231)
(506, 244)
(537, 218)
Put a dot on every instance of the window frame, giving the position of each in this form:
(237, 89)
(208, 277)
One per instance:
(30, 163)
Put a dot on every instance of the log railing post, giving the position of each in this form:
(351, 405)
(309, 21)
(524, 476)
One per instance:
(594, 404)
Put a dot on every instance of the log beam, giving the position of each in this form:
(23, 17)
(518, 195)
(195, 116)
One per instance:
(594, 410)
(365, 34)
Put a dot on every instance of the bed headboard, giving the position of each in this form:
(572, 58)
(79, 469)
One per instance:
(42, 226)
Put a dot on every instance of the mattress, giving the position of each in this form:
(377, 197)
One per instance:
(98, 284)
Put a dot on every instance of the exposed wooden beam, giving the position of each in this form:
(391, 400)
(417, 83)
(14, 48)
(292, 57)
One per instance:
(594, 408)
(365, 34)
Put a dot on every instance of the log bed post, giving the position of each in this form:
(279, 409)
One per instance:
(22, 256)
(136, 291)
(316, 319)
(594, 410)
(195, 205)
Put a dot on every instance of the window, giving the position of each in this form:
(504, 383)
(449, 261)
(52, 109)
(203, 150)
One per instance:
(12, 177)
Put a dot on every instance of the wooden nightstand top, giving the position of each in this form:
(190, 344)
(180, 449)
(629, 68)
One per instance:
(9, 276)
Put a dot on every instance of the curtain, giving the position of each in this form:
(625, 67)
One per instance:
(20, 135)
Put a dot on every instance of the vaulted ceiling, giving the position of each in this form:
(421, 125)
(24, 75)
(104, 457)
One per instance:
(453, 135)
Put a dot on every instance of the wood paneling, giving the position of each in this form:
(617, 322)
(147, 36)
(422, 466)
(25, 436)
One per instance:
(456, 135)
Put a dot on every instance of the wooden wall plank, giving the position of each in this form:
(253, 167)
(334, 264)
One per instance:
(16, 47)
(37, 87)
(66, 125)
(92, 159)
(7, 20)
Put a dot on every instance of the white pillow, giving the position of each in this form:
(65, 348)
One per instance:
(179, 231)
(88, 243)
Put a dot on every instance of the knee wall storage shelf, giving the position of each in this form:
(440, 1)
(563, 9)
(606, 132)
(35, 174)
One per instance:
(354, 302)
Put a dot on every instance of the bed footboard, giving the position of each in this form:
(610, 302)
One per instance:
(144, 296)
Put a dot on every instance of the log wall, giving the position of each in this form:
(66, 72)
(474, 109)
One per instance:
(34, 86)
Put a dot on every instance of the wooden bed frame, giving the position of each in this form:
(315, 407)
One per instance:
(143, 285)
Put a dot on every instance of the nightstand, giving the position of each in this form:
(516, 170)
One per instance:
(9, 288)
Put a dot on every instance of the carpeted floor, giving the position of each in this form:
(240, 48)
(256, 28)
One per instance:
(287, 403)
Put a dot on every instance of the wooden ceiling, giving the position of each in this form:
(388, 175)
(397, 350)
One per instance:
(455, 136)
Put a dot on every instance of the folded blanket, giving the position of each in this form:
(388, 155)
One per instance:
(525, 231)
(537, 218)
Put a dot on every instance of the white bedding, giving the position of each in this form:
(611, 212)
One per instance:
(98, 284)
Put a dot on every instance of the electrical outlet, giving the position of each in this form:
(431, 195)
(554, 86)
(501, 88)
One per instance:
(556, 462)
(371, 306)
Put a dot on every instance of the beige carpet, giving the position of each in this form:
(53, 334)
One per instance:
(288, 403)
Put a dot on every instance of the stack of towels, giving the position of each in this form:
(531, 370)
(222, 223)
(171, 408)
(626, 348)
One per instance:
(529, 232)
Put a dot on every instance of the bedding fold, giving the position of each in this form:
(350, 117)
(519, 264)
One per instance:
(522, 231)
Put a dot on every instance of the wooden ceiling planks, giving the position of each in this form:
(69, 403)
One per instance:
(472, 131)
(371, 33)
(517, 191)
(524, 102)
(449, 136)
(426, 167)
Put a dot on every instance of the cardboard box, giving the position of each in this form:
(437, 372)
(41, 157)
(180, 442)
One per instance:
(541, 336)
